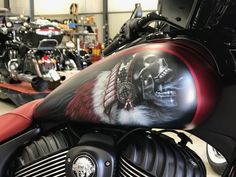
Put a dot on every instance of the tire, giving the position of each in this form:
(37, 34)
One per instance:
(39, 84)
(217, 161)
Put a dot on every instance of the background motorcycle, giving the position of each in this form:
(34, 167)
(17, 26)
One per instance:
(100, 122)
(28, 54)
(71, 58)
(42, 41)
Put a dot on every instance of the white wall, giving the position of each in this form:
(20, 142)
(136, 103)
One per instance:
(128, 5)
(20, 6)
(45, 7)
(116, 20)
(54, 7)
(63, 6)
(90, 6)
(1, 3)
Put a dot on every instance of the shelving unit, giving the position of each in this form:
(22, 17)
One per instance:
(104, 13)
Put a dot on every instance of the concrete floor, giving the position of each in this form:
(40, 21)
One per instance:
(5, 106)
(198, 145)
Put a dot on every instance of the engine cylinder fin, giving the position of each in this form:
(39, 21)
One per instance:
(44, 146)
(63, 174)
(46, 161)
(49, 171)
(55, 173)
(51, 166)
(45, 156)
(127, 168)
(159, 155)
(43, 170)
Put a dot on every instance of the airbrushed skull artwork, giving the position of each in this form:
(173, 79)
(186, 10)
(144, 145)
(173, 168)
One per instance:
(144, 88)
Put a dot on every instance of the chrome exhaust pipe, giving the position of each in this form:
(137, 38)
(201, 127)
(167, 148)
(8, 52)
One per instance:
(26, 77)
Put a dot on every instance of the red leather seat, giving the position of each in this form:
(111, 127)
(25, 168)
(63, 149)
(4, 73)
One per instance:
(18, 120)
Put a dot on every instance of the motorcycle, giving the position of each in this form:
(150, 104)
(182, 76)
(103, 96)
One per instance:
(28, 54)
(81, 59)
(65, 60)
(178, 75)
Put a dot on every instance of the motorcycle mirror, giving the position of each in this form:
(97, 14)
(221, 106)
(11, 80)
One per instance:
(138, 12)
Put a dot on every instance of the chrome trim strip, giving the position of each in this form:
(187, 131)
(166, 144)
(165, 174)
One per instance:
(61, 175)
(54, 172)
(46, 170)
(129, 172)
(136, 170)
(37, 163)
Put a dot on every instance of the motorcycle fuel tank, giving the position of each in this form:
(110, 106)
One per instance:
(167, 84)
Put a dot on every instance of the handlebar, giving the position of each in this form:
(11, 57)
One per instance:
(133, 29)
(127, 33)
(116, 43)
(153, 16)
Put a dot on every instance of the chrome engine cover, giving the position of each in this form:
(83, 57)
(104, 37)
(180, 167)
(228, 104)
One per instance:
(84, 166)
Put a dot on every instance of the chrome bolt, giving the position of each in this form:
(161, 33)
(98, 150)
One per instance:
(107, 163)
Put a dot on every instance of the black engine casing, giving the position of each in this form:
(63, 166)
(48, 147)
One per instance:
(140, 154)
(159, 156)
(100, 149)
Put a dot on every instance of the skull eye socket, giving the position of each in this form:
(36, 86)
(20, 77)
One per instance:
(148, 81)
(150, 59)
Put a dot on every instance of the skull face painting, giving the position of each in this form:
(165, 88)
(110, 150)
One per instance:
(154, 80)
(144, 88)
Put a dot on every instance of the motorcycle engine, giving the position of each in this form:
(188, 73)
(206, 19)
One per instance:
(97, 155)
(159, 155)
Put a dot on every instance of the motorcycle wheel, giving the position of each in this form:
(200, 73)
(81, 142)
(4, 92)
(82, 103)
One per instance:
(216, 160)
(39, 84)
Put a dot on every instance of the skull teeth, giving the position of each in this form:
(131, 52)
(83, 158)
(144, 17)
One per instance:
(163, 73)
(164, 94)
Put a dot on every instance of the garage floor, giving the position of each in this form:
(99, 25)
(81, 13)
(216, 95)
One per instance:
(198, 145)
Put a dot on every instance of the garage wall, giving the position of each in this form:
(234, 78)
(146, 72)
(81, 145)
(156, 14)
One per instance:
(121, 10)
(1, 4)
(58, 6)
(128, 5)
(20, 6)
(63, 6)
